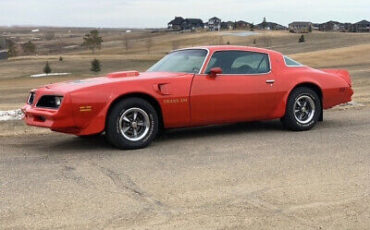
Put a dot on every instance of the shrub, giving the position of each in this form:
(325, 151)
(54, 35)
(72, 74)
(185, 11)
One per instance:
(60, 58)
(95, 66)
(301, 39)
(47, 68)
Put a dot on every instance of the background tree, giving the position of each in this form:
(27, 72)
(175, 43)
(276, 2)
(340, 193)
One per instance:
(47, 68)
(29, 48)
(301, 39)
(92, 40)
(95, 66)
(49, 35)
(12, 48)
(252, 27)
(310, 29)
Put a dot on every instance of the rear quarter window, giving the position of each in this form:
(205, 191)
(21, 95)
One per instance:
(290, 62)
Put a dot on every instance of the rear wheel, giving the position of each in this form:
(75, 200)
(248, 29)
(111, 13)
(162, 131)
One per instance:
(303, 109)
(131, 124)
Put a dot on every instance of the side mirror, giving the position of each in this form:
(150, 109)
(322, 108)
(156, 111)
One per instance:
(214, 71)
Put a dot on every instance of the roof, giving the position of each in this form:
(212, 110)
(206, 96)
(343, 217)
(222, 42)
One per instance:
(331, 22)
(363, 22)
(241, 21)
(176, 21)
(214, 18)
(300, 23)
(194, 20)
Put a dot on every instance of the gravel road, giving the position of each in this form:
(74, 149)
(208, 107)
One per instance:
(240, 176)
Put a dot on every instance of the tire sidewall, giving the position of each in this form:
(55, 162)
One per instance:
(113, 131)
(290, 121)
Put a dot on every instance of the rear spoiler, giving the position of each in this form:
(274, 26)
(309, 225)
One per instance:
(344, 74)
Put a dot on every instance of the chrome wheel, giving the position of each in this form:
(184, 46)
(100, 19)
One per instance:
(134, 124)
(304, 109)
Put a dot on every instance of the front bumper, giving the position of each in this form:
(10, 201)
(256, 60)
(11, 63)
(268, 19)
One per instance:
(56, 120)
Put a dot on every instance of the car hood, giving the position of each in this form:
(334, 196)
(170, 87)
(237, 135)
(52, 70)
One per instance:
(112, 78)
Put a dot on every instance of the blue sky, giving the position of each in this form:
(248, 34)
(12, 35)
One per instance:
(156, 13)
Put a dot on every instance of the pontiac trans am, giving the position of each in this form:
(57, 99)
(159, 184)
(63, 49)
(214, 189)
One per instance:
(190, 87)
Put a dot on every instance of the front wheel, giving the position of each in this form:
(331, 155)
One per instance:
(131, 124)
(302, 110)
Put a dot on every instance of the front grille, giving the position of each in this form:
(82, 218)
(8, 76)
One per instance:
(31, 98)
(48, 101)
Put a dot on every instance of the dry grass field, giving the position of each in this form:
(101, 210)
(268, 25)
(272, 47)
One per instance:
(140, 49)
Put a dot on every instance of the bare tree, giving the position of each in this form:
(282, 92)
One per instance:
(92, 40)
(49, 35)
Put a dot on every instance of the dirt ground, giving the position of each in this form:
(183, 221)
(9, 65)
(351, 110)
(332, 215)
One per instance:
(242, 176)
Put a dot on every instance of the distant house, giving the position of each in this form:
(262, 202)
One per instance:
(270, 26)
(2, 42)
(361, 26)
(228, 25)
(330, 26)
(300, 27)
(3, 54)
(315, 26)
(176, 24)
(214, 24)
(192, 24)
(242, 25)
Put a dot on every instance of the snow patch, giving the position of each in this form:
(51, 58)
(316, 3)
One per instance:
(10, 115)
(50, 74)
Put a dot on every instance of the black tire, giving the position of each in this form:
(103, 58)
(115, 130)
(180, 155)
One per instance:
(294, 112)
(124, 139)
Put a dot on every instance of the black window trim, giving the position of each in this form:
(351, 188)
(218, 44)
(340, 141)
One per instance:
(239, 74)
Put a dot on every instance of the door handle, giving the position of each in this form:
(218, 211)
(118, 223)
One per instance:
(270, 82)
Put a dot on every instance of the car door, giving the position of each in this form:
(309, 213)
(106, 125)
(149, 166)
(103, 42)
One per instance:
(244, 91)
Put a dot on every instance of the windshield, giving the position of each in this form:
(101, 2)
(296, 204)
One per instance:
(183, 61)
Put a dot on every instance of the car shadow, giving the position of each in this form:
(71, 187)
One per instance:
(216, 130)
(99, 143)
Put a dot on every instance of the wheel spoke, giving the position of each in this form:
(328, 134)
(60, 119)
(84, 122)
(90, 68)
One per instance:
(299, 103)
(301, 116)
(135, 132)
(126, 119)
(135, 116)
(140, 123)
(125, 129)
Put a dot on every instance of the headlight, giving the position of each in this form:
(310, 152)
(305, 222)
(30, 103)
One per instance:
(31, 97)
(58, 101)
(49, 101)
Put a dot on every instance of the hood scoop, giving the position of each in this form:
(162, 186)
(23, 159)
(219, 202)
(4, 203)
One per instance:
(132, 73)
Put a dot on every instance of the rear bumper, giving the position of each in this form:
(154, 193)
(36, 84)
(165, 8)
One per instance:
(48, 118)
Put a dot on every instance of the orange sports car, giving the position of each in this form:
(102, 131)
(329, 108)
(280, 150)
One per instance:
(190, 87)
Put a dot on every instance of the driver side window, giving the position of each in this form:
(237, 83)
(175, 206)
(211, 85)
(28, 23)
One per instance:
(240, 62)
